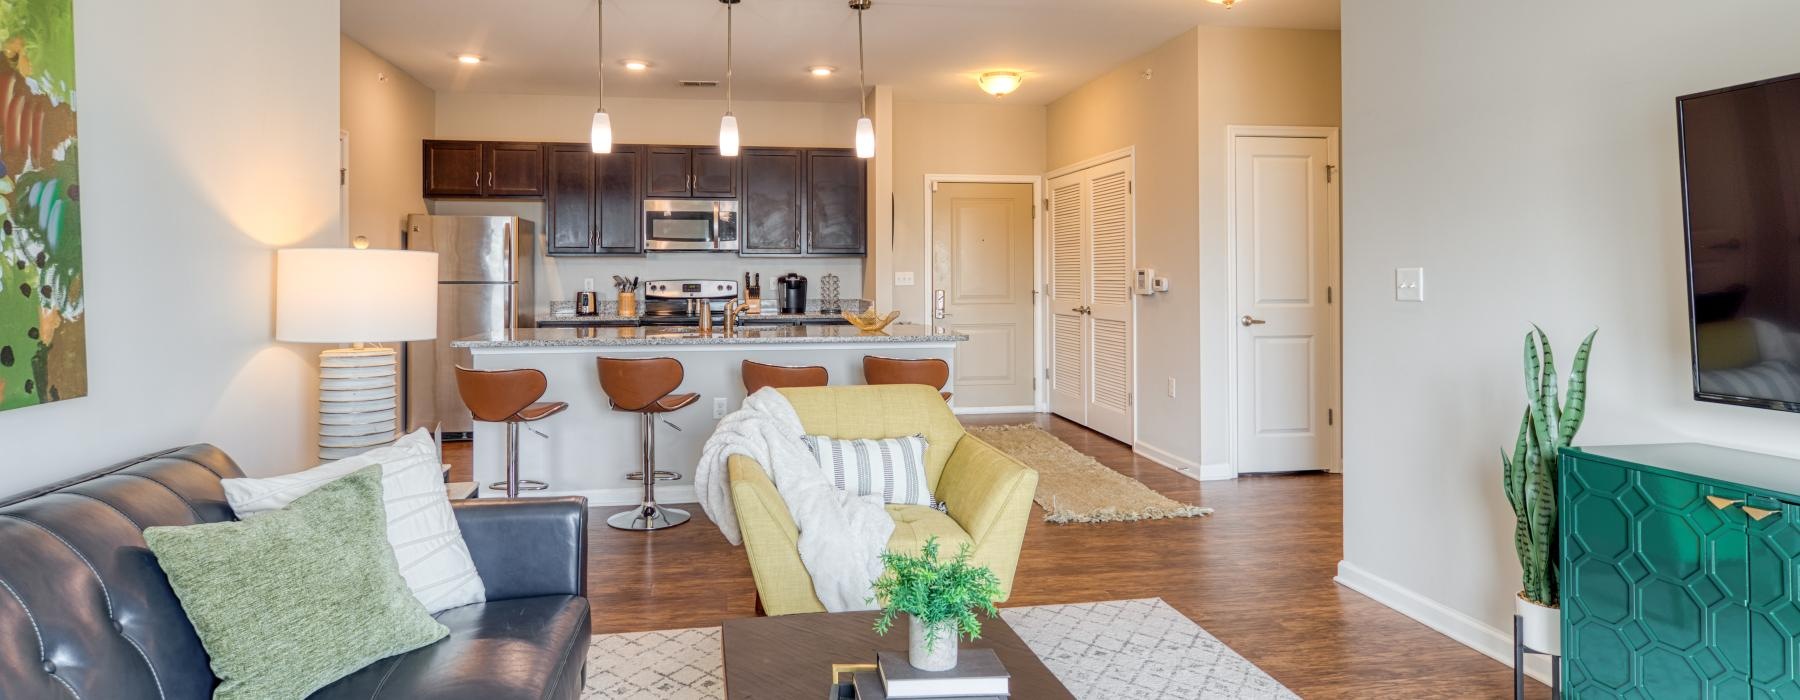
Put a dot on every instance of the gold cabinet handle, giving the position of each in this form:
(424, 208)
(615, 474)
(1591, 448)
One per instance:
(1721, 503)
(1759, 513)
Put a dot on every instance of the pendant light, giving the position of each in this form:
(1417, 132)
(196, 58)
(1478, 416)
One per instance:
(865, 129)
(728, 130)
(600, 133)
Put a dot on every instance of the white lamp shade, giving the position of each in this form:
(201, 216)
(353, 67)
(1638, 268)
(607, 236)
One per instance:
(600, 136)
(344, 295)
(865, 138)
(728, 136)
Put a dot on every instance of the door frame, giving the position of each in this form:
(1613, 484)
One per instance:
(1040, 397)
(1334, 244)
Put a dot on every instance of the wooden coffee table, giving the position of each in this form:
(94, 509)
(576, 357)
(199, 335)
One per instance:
(788, 657)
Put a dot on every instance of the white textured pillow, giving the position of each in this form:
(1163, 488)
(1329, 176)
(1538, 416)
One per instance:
(421, 527)
(892, 468)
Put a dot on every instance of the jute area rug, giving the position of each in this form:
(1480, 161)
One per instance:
(1074, 488)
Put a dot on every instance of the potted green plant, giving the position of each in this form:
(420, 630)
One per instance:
(940, 600)
(1529, 475)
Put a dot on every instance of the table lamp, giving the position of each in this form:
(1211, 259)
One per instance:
(344, 295)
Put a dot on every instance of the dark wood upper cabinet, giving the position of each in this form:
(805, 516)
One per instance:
(837, 189)
(773, 204)
(715, 176)
(593, 201)
(569, 200)
(681, 171)
(483, 169)
(619, 201)
(453, 169)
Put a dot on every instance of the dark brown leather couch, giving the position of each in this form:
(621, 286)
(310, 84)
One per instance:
(85, 611)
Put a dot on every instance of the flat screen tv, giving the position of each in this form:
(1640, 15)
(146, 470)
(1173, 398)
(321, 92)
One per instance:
(1740, 160)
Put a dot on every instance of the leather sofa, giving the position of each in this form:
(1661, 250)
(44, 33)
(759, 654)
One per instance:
(986, 492)
(85, 611)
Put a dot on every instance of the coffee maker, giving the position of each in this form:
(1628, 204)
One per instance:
(792, 290)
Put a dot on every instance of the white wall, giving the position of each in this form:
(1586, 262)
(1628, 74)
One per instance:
(388, 115)
(197, 159)
(1526, 158)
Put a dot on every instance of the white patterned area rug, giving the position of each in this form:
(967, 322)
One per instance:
(1102, 651)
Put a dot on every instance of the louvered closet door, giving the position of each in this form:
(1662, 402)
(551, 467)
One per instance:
(1068, 293)
(1109, 299)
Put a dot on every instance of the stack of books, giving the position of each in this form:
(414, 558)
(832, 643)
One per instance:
(978, 675)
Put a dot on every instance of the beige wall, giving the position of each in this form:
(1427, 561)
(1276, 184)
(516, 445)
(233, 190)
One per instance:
(387, 114)
(1528, 162)
(1175, 118)
(188, 184)
(991, 138)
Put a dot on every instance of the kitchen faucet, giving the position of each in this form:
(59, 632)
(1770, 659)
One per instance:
(732, 309)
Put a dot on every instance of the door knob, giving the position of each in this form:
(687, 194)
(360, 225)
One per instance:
(1248, 321)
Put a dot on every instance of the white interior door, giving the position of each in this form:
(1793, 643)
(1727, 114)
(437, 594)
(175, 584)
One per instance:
(982, 268)
(1091, 230)
(1287, 360)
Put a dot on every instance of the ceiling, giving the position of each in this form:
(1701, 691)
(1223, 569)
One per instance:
(927, 50)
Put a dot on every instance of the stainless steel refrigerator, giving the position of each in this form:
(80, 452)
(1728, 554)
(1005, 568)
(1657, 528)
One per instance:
(484, 289)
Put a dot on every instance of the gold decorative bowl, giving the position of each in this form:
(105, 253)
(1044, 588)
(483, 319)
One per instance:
(868, 322)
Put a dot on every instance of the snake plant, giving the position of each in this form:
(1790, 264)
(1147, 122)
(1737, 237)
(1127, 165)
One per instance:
(1547, 426)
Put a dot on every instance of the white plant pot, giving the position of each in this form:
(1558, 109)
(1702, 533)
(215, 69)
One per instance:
(1540, 627)
(941, 657)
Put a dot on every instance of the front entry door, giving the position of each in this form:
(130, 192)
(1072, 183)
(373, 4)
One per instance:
(981, 249)
(1286, 319)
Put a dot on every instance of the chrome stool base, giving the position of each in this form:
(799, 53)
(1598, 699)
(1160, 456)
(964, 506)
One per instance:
(661, 475)
(648, 517)
(524, 485)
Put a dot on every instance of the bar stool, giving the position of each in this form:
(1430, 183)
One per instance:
(933, 373)
(758, 375)
(508, 396)
(645, 386)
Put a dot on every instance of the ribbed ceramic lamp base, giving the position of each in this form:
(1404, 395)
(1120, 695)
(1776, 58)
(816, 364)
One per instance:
(358, 401)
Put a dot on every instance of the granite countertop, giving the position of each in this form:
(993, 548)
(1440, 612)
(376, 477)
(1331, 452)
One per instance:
(750, 334)
(609, 316)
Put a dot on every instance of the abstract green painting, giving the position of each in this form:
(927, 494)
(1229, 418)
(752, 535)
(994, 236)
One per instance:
(43, 331)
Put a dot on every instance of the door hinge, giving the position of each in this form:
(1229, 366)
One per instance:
(343, 176)
(1130, 187)
(1046, 204)
(1330, 417)
(1046, 372)
(1330, 170)
(934, 185)
(1034, 383)
(1327, 295)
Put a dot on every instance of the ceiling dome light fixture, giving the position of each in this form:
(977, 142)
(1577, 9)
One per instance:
(821, 71)
(600, 132)
(865, 129)
(635, 65)
(728, 128)
(468, 58)
(1000, 83)
(1227, 3)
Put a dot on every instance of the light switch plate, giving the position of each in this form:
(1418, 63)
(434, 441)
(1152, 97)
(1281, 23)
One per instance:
(903, 279)
(719, 407)
(1409, 284)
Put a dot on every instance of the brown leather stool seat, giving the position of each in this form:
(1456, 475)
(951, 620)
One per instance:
(933, 373)
(646, 386)
(758, 375)
(508, 396)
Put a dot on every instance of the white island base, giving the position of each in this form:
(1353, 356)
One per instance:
(591, 447)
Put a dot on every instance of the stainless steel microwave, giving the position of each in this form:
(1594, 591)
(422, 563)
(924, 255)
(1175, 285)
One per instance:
(690, 224)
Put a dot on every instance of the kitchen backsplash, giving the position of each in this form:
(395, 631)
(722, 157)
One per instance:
(562, 308)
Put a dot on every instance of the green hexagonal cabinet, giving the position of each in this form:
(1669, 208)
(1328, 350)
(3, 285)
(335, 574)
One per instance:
(1680, 573)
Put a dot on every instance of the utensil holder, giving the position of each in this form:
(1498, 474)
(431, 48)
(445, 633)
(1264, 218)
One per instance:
(628, 304)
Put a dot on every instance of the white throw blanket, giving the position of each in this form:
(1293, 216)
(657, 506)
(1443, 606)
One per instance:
(841, 536)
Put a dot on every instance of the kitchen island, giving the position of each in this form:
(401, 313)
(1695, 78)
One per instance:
(590, 447)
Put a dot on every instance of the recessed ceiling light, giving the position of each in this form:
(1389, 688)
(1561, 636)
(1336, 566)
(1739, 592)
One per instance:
(469, 58)
(632, 64)
(1000, 83)
(821, 71)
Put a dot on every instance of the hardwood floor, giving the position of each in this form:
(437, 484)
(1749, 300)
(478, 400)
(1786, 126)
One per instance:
(1256, 574)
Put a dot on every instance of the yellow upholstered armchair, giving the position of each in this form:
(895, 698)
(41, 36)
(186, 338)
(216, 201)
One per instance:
(988, 494)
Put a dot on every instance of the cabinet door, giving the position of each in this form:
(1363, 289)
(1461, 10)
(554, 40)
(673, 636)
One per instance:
(836, 202)
(773, 206)
(515, 170)
(453, 169)
(1774, 597)
(669, 172)
(715, 176)
(569, 200)
(619, 200)
(1654, 585)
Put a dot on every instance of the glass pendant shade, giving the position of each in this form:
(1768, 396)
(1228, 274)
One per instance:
(600, 135)
(728, 136)
(865, 138)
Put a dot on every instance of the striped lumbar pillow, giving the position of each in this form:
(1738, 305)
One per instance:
(892, 468)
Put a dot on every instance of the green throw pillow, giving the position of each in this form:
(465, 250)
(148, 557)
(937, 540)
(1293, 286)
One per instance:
(289, 601)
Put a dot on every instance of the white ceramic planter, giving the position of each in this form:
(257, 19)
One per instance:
(941, 657)
(1540, 627)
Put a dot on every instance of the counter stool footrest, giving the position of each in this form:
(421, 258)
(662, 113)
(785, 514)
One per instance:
(524, 485)
(661, 475)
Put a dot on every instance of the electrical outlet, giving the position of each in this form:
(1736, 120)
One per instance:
(903, 279)
(1171, 387)
(718, 407)
(587, 283)
(1409, 284)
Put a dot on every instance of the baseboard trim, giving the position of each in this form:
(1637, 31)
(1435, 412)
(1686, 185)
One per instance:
(985, 410)
(1184, 467)
(671, 495)
(1466, 630)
